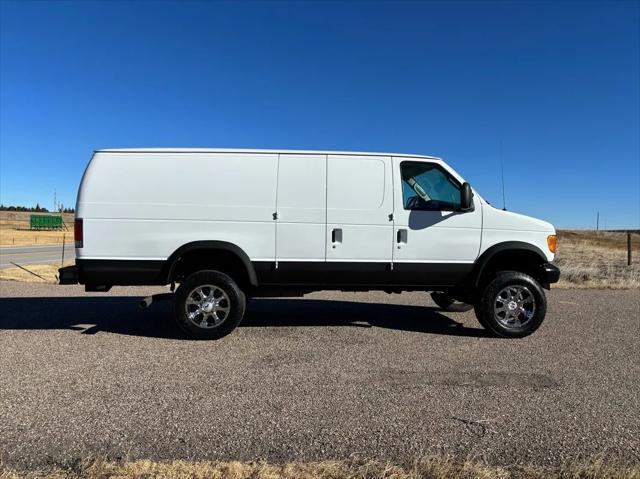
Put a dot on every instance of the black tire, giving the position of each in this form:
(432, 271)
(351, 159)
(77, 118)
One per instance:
(493, 312)
(447, 303)
(219, 293)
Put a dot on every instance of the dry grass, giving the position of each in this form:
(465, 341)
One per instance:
(436, 467)
(47, 271)
(13, 224)
(590, 259)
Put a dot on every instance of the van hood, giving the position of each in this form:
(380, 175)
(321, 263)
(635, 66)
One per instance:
(508, 220)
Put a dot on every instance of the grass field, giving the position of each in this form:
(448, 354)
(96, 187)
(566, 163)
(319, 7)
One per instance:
(13, 226)
(427, 468)
(590, 259)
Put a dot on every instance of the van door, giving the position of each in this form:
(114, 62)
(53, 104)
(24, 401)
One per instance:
(301, 209)
(359, 233)
(434, 242)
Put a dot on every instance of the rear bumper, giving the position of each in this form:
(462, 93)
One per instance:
(100, 275)
(550, 273)
(68, 275)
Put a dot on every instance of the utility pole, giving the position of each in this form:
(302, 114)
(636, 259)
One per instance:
(598, 221)
(55, 201)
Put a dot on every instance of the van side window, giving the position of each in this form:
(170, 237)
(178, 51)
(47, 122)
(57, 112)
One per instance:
(427, 187)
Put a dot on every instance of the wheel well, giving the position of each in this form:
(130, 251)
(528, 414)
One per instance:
(216, 259)
(524, 261)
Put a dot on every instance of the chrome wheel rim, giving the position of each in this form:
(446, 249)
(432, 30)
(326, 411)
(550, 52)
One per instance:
(514, 307)
(207, 306)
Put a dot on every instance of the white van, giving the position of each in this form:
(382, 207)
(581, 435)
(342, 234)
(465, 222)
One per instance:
(227, 225)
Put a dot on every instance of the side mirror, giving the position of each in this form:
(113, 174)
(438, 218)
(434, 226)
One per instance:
(466, 197)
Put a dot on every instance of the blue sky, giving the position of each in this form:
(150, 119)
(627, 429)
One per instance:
(557, 83)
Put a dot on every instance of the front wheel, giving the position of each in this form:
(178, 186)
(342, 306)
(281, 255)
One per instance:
(209, 305)
(512, 305)
(447, 303)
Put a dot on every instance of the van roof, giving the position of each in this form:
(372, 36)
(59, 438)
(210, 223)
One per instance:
(239, 150)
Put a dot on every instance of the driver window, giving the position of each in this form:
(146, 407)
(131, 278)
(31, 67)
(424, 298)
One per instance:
(426, 186)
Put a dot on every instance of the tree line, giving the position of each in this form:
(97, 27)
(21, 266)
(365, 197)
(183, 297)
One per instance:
(35, 209)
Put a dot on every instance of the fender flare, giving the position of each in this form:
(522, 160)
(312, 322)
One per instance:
(211, 245)
(484, 259)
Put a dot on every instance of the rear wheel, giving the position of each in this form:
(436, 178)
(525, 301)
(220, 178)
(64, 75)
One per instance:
(209, 305)
(447, 303)
(512, 305)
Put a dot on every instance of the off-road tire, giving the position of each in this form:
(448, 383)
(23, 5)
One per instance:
(234, 297)
(485, 307)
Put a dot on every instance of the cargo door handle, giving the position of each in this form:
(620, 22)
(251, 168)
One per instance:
(402, 237)
(336, 236)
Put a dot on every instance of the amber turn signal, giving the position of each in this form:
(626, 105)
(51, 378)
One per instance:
(552, 242)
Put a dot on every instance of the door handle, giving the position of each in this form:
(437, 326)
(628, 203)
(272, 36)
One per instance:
(336, 236)
(402, 237)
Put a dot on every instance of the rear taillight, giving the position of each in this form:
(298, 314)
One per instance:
(77, 232)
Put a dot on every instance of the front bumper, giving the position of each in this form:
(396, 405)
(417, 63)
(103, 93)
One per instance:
(550, 273)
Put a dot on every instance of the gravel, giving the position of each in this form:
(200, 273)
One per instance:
(330, 376)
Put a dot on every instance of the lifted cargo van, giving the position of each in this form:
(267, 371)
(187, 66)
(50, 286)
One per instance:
(227, 225)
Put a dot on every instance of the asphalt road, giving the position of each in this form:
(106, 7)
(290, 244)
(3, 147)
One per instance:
(331, 376)
(24, 255)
